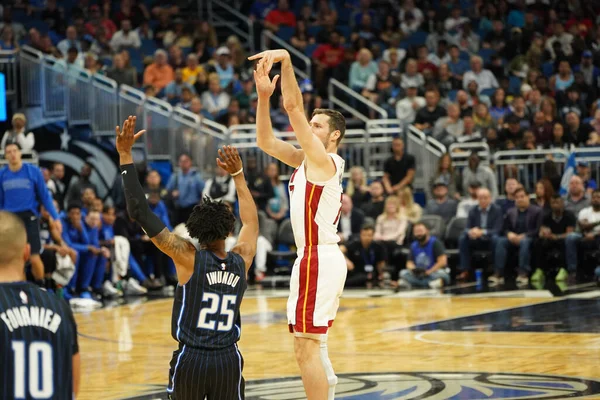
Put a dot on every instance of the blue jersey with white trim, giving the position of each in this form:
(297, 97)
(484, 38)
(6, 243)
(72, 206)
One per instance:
(38, 338)
(206, 310)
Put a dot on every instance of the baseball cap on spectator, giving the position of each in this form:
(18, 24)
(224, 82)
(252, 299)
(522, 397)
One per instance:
(583, 164)
(586, 54)
(20, 116)
(222, 51)
(439, 182)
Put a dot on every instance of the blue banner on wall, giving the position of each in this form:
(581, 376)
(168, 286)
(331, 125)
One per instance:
(2, 98)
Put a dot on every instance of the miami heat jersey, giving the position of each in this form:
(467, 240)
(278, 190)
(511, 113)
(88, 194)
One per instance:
(315, 206)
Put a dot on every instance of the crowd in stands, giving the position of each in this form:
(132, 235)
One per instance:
(515, 74)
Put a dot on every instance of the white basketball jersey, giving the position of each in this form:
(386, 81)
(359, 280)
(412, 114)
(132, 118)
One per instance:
(315, 206)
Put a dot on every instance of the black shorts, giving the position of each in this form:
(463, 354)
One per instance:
(32, 226)
(214, 374)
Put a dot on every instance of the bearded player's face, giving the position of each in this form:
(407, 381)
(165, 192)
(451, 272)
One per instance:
(320, 128)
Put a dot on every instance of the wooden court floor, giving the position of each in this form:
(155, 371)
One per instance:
(126, 350)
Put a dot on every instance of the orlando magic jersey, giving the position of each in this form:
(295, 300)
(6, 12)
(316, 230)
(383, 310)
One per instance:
(206, 310)
(38, 338)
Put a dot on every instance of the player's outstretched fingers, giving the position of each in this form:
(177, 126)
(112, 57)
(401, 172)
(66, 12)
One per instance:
(256, 56)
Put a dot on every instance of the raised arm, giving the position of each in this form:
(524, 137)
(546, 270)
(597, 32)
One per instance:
(180, 250)
(246, 245)
(314, 150)
(283, 151)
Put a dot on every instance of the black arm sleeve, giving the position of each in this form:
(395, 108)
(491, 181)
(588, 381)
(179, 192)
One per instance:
(137, 206)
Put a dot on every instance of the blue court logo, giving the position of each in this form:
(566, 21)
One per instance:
(425, 385)
(433, 385)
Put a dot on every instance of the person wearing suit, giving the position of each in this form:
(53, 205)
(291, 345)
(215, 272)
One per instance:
(521, 225)
(484, 224)
(351, 220)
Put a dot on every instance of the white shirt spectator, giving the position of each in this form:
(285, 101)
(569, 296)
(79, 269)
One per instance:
(469, 43)
(565, 40)
(588, 214)
(412, 25)
(25, 140)
(64, 45)
(462, 211)
(452, 23)
(435, 59)
(122, 39)
(215, 104)
(407, 81)
(485, 79)
(229, 197)
(405, 110)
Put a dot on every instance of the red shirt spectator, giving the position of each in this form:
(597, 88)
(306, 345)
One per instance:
(329, 55)
(91, 27)
(281, 16)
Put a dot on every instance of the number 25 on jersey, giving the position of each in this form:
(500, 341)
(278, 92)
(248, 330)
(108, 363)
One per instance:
(207, 319)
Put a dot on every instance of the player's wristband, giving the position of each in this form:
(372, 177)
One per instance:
(239, 172)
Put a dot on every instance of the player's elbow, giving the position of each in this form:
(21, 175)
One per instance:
(291, 105)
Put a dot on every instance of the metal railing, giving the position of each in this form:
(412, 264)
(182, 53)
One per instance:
(30, 63)
(427, 152)
(54, 88)
(28, 157)
(297, 56)
(80, 102)
(460, 153)
(8, 67)
(354, 103)
(526, 165)
(234, 17)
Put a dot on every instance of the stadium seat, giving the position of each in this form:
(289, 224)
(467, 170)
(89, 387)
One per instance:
(514, 84)
(548, 69)
(454, 229)
(286, 32)
(486, 54)
(416, 39)
(452, 95)
(344, 30)
(148, 47)
(436, 225)
(281, 261)
(313, 31)
(41, 26)
(310, 49)
(488, 92)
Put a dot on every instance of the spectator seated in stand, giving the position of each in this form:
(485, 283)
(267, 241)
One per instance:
(18, 135)
(441, 205)
(588, 237)
(159, 74)
(466, 205)
(521, 225)
(351, 220)
(480, 173)
(373, 208)
(550, 251)
(365, 259)
(427, 264)
(484, 225)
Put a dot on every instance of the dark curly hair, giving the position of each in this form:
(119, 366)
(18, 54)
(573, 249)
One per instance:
(210, 221)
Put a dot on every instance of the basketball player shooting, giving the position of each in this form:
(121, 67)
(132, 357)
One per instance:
(212, 282)
(319, 273)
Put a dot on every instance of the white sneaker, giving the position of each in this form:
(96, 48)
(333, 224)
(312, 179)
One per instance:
(404, 284)
(495, 280)
(522, 280)
(133, 288)
(108, 290)
(436, 283)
